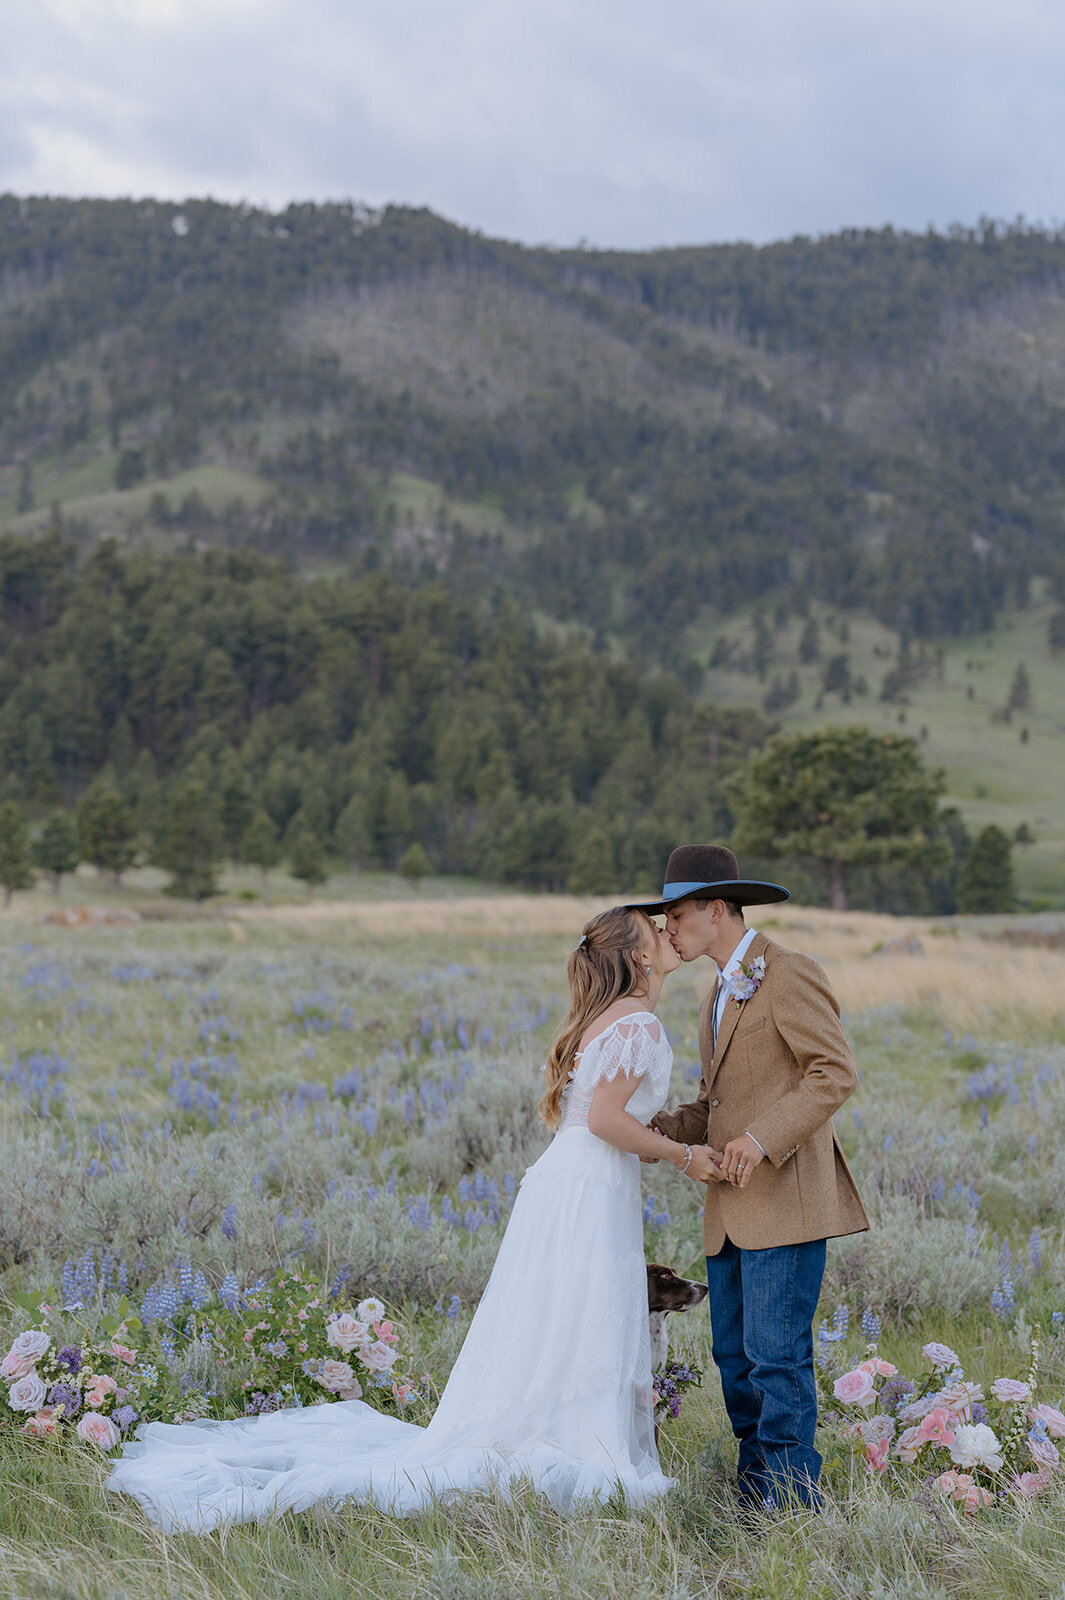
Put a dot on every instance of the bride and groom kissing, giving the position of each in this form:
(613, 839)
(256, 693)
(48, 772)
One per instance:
(552, 1387)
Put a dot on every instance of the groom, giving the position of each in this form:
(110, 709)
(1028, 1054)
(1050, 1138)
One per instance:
(776, 1066)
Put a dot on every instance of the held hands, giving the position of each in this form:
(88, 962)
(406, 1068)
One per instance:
(739, 1160)
(704, 1165)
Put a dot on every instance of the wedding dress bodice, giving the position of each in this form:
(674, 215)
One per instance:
(636, 1045)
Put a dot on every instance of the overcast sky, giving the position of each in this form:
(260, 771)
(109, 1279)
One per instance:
(613, 121)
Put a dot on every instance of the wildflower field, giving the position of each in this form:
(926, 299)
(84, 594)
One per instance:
(266, 1157)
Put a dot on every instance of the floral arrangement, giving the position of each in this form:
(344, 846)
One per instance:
(670, 1384)
(97, 1388)
(741, 985)
(973, 1447)
(278, 1340)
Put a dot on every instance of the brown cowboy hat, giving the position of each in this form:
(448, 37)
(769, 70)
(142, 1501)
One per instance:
(710, 871)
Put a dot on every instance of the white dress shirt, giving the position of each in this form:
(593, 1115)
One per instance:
(731, 970)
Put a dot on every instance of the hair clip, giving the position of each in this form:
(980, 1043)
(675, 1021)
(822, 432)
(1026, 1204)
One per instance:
(583, 940)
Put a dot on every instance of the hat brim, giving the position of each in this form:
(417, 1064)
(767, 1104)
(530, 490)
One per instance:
(744, 891)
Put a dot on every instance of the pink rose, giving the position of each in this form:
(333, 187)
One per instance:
(917, 1409)
(97, 1388)
(947, 1482)
(876, 1455)
(123, 1353)
(855, 1388)
(344, 1332)
(1043, 1453)
(352, 1392)
(27, 1394)
(938, 1427)
(97, 1430)
(42, 1426)
(940, 1355)
(1011, 1390)
(1029, 1484)
(974, 1499)
(873, 1429)
(877, 1368)
(26, 1351)
(336, 1375)
(379, 1357)
(909, 1445)
(959, 1397)
(1053, 1420)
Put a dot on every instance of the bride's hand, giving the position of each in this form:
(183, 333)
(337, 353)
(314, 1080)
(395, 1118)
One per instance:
(703, 1168)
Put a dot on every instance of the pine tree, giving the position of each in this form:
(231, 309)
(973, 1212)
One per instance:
(56, 851)
(415, 864)
(106, 830)
(810, 642)
(1020, 695)
(260, 847)
(352, 836)
(986, 882)
(191, 842)
(306, 859)
(16, 860)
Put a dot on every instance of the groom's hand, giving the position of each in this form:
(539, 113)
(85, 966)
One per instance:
(739, 1160)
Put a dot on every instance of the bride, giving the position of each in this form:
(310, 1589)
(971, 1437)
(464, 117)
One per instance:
(553, 1383)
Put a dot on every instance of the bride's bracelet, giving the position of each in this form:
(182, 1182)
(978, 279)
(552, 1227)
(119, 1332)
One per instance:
(687, 1159)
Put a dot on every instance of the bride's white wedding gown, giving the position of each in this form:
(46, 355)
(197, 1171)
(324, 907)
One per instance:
(552, 1385)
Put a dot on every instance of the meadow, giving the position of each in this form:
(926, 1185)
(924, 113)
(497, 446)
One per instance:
(349, 1087)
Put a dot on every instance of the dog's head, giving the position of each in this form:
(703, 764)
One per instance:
(668, 1292)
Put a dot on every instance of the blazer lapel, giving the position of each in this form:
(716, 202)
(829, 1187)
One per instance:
(732, 1011)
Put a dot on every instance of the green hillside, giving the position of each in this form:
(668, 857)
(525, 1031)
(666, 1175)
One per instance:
(677, 460)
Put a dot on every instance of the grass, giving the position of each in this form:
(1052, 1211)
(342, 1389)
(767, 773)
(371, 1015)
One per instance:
(88, 492)
(419, 973)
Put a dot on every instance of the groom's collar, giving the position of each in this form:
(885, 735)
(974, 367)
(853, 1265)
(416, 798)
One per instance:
(732, 965)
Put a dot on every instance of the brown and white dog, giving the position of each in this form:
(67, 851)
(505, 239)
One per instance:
(667, 1292)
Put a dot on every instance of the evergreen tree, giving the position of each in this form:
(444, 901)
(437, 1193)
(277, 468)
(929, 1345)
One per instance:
(260, 847)
(191, 842)
(810, 642)
(306, 858)
(1056, 631)
(1020, 695)
(56, 850)
(415, 865)
(16, 859)
(986, 882)
(592, 869)
(843, 798)
(352, 836)
(106, 830)
(235, 804)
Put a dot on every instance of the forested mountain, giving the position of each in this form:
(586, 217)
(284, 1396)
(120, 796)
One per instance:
(625, 440)
(360, 714)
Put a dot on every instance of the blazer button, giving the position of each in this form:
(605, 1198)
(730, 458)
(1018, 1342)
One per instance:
(715, 1102)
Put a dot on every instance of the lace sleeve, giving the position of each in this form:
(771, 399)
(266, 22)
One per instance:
(632, 1045)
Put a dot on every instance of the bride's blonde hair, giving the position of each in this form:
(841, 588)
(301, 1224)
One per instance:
(600, 971)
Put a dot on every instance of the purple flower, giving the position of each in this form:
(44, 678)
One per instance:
(69, 1357)
(979, 1414)
(125, 1417)
(894, 1392)
(65, 1395)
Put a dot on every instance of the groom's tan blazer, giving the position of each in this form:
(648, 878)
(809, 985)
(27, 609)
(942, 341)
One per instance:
(781, 1068)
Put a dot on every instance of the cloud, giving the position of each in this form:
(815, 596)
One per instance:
(613, 121)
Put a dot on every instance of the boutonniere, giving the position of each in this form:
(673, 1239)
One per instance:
(744, 983)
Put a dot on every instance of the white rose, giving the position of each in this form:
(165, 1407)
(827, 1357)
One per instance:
(379, 1357)
(345, 1332)
(976, 1445)
(27, 1394)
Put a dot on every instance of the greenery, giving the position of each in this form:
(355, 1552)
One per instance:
(843, 798)
(16, 859)
(609, 435)
(986, 881)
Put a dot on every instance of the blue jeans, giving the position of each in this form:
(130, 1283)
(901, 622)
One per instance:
(762, 1305)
